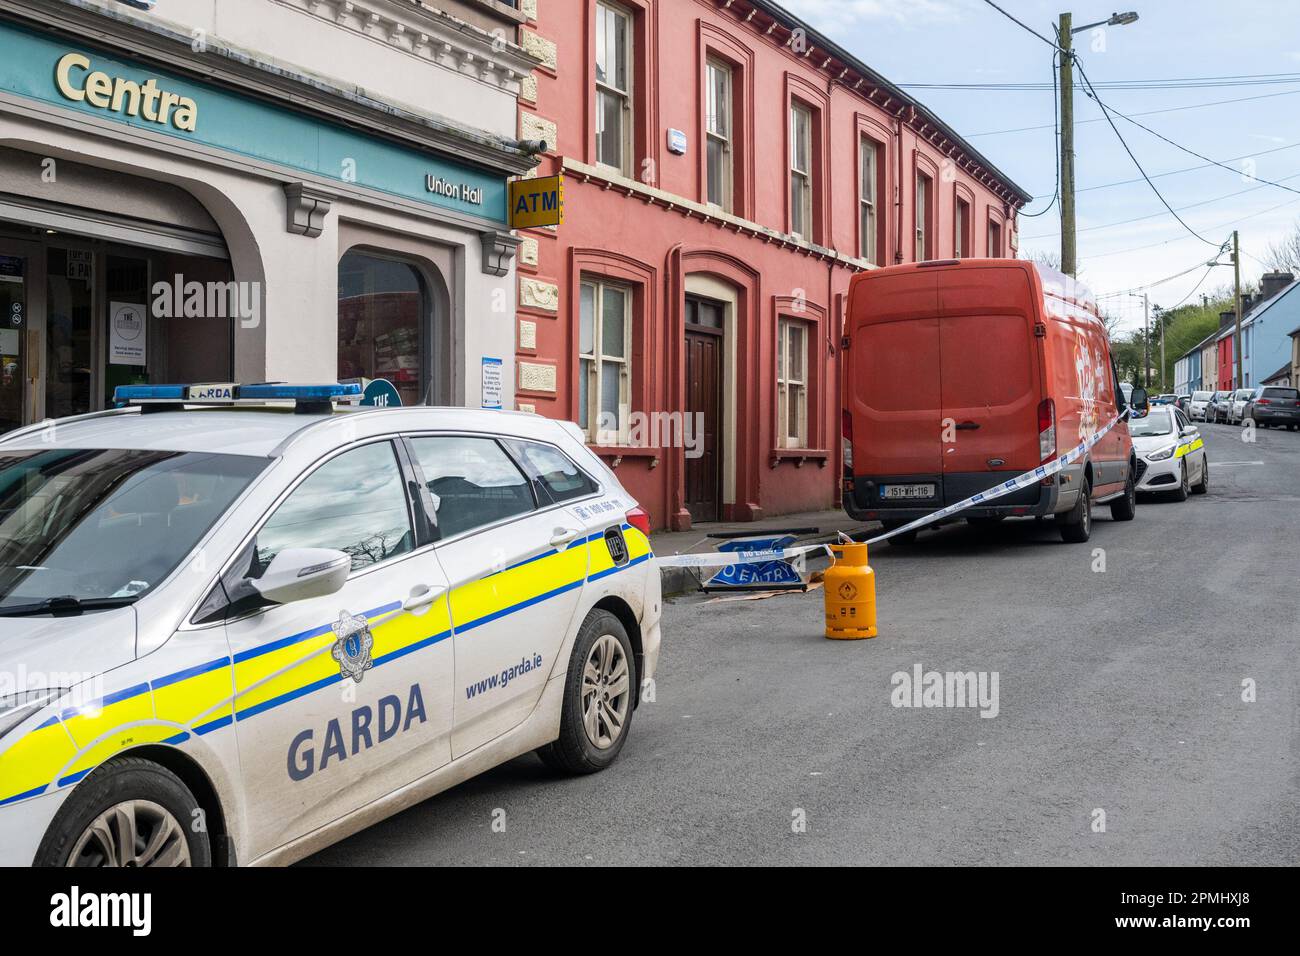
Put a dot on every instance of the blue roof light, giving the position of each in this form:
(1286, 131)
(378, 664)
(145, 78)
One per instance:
(307, 393)
(308, 397)
(149, 393)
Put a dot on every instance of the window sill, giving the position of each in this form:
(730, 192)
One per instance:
(619, 452)
(800, 456)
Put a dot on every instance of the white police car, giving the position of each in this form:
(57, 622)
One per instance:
(1170, 452)
(237, 634)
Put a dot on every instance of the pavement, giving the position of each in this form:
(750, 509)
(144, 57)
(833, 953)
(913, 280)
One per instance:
(816, 527)
(1122, 666)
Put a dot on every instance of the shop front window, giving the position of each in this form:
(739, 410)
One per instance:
(70, 287)
(383, 311)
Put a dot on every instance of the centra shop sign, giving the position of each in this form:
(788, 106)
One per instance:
(118, 94)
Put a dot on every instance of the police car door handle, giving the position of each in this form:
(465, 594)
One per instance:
(562, 536)
(422, 597)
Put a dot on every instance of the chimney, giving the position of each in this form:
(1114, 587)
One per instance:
(1271, 283)
(1226, 319)
(1248, 303)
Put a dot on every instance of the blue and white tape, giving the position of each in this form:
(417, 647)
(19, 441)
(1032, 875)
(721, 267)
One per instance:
(717, 559)
(1013, 484)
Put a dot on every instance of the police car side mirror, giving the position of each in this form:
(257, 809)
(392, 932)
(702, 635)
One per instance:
(297, 574)
(1188, 430)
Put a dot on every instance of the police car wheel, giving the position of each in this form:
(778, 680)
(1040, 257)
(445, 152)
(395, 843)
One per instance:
(1202, 486)
(1184, 486)
(1076, 524)
(598, 698)
(130, 812)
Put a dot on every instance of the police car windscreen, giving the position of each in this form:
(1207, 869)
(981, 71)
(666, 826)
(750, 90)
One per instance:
(1159, 422)
(104, 526)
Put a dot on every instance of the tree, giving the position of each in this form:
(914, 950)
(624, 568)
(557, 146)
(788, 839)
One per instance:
(1284, 256)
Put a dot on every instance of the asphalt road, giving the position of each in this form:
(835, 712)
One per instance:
(1118, 690)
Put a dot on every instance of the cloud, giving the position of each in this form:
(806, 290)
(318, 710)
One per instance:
(833, 15)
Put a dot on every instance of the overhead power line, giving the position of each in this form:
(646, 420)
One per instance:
(1194, 205)
(1185, 169)
(1216, 226)
(1024, 26)
(1177, 275)
(1169, 109)
(1091, 90)
(1056, 144)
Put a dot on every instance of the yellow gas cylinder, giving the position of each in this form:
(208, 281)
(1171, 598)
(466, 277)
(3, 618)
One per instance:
(850, 589)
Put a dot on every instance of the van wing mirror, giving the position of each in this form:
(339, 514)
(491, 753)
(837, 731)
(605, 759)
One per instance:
(297, 574)
(1138, 401)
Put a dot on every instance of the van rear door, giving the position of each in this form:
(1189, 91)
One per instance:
(893, 393)
(990, 378)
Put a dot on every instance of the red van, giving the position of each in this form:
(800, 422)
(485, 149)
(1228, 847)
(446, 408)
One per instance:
(962, 374)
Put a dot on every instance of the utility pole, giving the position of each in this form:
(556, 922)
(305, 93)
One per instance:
(1160, 320)
(1236, 280)
(1064, 41)
(1146, 339)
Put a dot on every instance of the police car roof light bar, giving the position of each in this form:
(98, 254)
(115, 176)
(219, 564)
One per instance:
(308, 399)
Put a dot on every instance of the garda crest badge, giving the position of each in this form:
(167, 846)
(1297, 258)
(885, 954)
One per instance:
(352, 645)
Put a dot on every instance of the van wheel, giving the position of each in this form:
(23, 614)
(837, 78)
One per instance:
(130, 812)
(599, 698)
(1202, 486)
(1076, 524)
(1125, 509)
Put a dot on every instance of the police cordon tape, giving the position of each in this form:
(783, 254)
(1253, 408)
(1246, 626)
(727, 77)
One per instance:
(716, 559)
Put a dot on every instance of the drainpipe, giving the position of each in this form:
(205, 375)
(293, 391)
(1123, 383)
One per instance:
(898, 189)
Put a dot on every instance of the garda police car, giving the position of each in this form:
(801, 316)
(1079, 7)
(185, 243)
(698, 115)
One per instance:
(238, 624)
(1171, 453)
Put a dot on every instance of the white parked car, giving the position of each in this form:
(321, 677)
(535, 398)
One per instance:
(1171, 454)
(1198, 406)
(297, 624)
(1240, 399)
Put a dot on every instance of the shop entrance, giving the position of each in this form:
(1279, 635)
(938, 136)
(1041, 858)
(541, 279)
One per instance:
(77, 320)
(19, 332)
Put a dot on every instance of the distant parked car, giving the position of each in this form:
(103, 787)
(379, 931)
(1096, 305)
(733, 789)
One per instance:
(1198, 406)
(1274, 405)
(1220, 406)
(1237, 406)
(1181, 402)
(1164, 400)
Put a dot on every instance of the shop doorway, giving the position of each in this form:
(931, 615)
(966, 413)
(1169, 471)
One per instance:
(78, 320)
(20, 275)
(704, 375)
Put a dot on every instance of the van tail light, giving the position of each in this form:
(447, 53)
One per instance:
(1046, 430)
(846, 439)
(639, 519)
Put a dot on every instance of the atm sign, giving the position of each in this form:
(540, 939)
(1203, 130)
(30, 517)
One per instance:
(537, 202)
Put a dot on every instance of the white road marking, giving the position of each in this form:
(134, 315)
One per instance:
(1224, 464)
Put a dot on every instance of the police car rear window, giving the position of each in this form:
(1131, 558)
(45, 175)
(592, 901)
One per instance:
(554, 475)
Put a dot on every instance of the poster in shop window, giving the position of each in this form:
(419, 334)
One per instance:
(491, 382)
(127, 328)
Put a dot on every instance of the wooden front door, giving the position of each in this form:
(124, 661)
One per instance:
(704, 320)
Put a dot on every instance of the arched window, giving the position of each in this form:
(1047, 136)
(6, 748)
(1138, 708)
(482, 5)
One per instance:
(383, 323)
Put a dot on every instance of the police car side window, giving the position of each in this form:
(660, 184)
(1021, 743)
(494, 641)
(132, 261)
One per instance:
(553, 473)
(472, 480)
(355, 503)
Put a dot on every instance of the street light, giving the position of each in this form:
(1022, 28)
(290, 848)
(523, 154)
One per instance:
(1065, 32)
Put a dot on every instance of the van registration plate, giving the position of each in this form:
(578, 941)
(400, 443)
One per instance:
(906, 491)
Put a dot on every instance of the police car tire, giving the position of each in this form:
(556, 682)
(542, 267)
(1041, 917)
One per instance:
(1184, 488)
(119, 780)
(1202, 486)
(572, 752)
